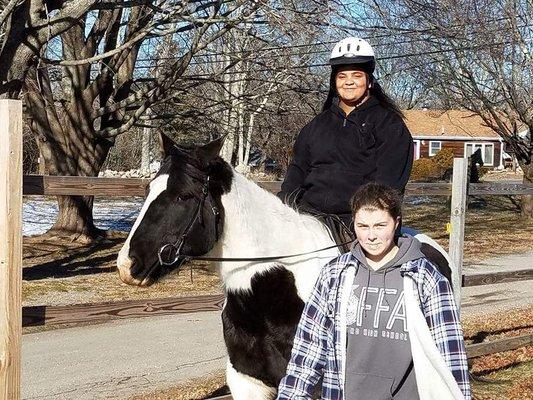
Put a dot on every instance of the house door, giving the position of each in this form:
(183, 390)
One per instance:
(416, 148)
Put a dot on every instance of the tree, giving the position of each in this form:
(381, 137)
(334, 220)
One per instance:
(476, 55)
(258, 73)
(83, 89)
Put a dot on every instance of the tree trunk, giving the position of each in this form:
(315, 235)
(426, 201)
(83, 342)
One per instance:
(75, 219)
(249, 138)
(145, 150)
(68, 147)
(527, 200)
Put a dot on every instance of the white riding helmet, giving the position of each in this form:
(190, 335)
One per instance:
(353, 50)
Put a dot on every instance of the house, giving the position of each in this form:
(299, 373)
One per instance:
(459, 130)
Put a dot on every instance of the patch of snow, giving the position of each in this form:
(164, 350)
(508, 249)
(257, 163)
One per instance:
(417, 200)
(39, 214)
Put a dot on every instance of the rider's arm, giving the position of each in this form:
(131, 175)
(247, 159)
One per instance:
(394, 152)
(297, 169)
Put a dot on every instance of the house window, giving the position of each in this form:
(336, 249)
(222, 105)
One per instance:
(487, 151)
(434, 148)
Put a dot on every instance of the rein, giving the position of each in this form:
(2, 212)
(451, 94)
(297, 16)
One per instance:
(166, 251)
(271, 258)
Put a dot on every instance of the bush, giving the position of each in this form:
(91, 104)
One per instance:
(444, 159)
(433, 168)
(481, 171)
(424, 168)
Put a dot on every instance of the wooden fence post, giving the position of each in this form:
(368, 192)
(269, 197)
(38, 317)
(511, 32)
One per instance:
(10, 247)
(457, 223)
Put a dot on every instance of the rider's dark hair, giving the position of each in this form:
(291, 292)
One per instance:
(375, 90)
(374, 196)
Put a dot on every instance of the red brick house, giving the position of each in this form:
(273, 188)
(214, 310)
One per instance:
(458, 130)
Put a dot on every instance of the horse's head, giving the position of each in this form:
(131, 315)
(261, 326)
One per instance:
(182, 213)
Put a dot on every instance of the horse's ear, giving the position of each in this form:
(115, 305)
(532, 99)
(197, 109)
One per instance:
(210, 150)
(168, 146)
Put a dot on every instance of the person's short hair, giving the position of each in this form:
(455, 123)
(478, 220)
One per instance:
(374, 196)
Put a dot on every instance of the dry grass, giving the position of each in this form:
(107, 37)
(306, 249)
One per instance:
(210, 386)
(513, 322)
(494, 230)
(513, 383)
(506, 375)
(59, 273)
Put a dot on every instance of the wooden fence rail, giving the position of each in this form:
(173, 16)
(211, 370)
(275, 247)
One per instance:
(101, 312)
(497, 346)
(123, 187)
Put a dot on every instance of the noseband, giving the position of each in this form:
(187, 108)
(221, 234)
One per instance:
(166, 251)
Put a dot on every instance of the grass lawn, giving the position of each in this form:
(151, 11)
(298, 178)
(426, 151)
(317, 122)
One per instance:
(65, 273)
(492, 230)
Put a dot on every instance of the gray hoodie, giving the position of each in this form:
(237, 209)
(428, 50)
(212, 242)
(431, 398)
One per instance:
(379, 364)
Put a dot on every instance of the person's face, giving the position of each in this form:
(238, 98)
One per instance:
(375, 229)
(351, 85)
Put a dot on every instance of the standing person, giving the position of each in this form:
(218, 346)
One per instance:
(359, 137)
(381, 321)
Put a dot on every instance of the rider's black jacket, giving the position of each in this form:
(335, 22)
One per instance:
(334, 154)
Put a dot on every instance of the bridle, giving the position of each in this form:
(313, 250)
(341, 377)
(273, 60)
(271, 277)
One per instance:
(198, 215)
(176, 248)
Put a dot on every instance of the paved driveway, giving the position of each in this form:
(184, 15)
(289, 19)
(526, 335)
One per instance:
(501, 296)
(118, 359)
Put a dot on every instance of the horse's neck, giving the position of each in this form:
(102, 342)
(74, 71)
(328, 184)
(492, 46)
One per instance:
(258, 224)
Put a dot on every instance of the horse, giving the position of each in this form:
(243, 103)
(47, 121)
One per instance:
(198, 205)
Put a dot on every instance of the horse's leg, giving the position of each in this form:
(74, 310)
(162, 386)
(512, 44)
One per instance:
(244, 387)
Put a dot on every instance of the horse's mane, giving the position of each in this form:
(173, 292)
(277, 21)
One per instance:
(277, 208)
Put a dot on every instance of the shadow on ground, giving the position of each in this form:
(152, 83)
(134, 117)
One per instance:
(61, 259)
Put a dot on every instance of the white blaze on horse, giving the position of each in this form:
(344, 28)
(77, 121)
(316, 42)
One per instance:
(198, 205)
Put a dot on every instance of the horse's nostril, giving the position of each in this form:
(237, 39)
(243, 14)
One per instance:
(136, 266)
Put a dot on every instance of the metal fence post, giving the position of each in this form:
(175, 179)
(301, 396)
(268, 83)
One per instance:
(10, 248)
(457, 223)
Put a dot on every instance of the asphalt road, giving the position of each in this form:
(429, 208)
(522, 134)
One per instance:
(500, 296)
(122, 358)
(119, 359)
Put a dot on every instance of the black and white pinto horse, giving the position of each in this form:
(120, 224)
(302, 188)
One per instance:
(199, 202)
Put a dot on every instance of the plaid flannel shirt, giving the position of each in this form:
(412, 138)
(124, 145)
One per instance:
(316, 348)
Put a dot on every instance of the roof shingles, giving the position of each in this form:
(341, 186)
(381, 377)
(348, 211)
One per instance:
(452, 123)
